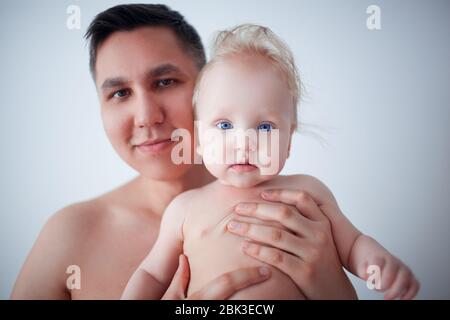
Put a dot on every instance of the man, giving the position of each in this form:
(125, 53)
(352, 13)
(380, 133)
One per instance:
(144, 60)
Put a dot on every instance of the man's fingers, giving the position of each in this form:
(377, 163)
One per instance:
(287, 263)
(268, 235)
(303, 201)
(281, 213)
(229, 283)
(178, 286)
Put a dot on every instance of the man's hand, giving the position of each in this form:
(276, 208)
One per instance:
(304, 250)
(220, 288)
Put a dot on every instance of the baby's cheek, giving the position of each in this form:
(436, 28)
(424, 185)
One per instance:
(212, 147)
(271, 162)
(217, 170)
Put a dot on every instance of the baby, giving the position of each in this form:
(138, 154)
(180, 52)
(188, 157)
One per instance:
(245, 105)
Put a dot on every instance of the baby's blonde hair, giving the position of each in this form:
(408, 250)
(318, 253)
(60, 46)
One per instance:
(251, 39)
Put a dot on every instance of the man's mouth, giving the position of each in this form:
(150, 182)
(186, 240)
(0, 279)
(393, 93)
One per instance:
(154, 145)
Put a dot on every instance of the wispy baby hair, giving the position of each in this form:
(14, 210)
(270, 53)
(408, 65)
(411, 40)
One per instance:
(251, 39)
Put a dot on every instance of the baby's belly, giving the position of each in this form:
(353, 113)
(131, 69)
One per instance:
(214, 252)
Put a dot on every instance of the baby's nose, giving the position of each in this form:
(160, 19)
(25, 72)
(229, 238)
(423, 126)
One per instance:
(245, 144)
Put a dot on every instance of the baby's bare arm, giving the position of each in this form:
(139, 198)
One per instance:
(154, 274)
(344, 233)
(358, 251)
(351, 244)
(349, 241)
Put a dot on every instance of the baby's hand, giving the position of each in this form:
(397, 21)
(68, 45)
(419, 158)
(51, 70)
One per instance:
(396, 278)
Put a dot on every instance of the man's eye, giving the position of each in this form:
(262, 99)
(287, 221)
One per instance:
(121, 93)
(265, 127)
(224, 125)
(165, 83)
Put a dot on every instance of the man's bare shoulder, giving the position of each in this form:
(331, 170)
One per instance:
(83, 219)
(77, 233)
(77, 219)
(79, 222)
(67, 229)
(58, 246)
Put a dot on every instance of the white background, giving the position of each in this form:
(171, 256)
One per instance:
(376, 117)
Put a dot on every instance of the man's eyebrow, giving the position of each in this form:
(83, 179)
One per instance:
(113, 83)
(163, 69)
(152, 73)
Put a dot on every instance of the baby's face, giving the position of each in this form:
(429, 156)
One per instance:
(245, 121)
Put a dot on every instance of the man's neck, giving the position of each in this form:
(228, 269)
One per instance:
(156, 194)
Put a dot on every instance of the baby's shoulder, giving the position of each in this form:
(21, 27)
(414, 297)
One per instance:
(187, 197)
(295, 180)
(177, 210)
(185, 201)
(303, 178)
(307, 183)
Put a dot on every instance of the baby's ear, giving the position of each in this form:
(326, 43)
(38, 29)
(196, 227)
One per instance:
(290, 141)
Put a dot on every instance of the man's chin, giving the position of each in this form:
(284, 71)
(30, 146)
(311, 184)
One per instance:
(165, 172)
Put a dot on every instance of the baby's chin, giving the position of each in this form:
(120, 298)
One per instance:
(244, 180)
(241, 184)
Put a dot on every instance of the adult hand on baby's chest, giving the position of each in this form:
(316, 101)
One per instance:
(305, 251)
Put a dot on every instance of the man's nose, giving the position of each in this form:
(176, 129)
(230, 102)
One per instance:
(149, 111)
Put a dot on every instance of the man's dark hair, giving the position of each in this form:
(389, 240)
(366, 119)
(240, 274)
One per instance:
(128, 17)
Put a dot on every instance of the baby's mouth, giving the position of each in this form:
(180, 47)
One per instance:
(243, 167)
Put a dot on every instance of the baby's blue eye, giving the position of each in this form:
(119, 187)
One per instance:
(224, 125)
(265, 127)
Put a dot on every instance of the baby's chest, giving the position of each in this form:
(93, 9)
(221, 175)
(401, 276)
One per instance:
(209, 216)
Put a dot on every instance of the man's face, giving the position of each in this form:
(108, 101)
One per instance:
(145, 81)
